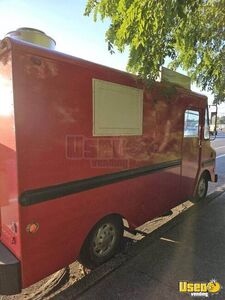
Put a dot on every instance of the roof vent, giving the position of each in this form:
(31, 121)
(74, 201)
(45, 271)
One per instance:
(33, 36)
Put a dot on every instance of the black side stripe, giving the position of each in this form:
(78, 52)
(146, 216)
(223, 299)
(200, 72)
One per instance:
(52, 192)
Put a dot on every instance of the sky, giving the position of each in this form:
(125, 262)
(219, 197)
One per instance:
(74, 33)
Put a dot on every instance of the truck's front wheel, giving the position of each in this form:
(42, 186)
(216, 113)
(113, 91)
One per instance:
(202, 188)
(102, 242)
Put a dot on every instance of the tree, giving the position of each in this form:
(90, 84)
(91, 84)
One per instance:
(191, 33)
(221, 120)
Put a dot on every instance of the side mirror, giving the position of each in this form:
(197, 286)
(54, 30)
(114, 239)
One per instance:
(212, 135)
(213, 122)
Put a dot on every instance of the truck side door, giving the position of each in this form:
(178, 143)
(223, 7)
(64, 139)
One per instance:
(191, 151)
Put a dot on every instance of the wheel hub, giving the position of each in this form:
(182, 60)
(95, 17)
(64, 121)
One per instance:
(104, 240)
(201, 187)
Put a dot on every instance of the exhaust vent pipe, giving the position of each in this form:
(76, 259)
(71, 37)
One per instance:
(33, 36)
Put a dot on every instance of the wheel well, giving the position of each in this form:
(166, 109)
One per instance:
(115, 215)
(207, 175)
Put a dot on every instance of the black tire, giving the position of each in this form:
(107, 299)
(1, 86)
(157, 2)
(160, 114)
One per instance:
(202, 188)
(103, 242)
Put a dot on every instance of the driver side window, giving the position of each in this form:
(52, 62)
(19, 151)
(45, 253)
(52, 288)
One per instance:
(191, 123)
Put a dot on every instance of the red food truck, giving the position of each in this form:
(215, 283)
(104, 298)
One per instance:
(83, 147)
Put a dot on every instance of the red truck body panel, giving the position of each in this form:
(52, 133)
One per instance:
(9, 217)
(53, 116)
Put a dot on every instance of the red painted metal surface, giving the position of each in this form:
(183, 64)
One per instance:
(9, 216)
(53, 114)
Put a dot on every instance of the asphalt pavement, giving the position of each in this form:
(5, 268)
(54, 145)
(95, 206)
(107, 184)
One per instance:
(187, 253)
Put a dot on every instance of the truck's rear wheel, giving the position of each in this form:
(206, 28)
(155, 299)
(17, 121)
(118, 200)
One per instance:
(103, 242)
(202, 188)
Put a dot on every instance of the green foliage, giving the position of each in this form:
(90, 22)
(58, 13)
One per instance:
(221, 120)
(189, 32)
